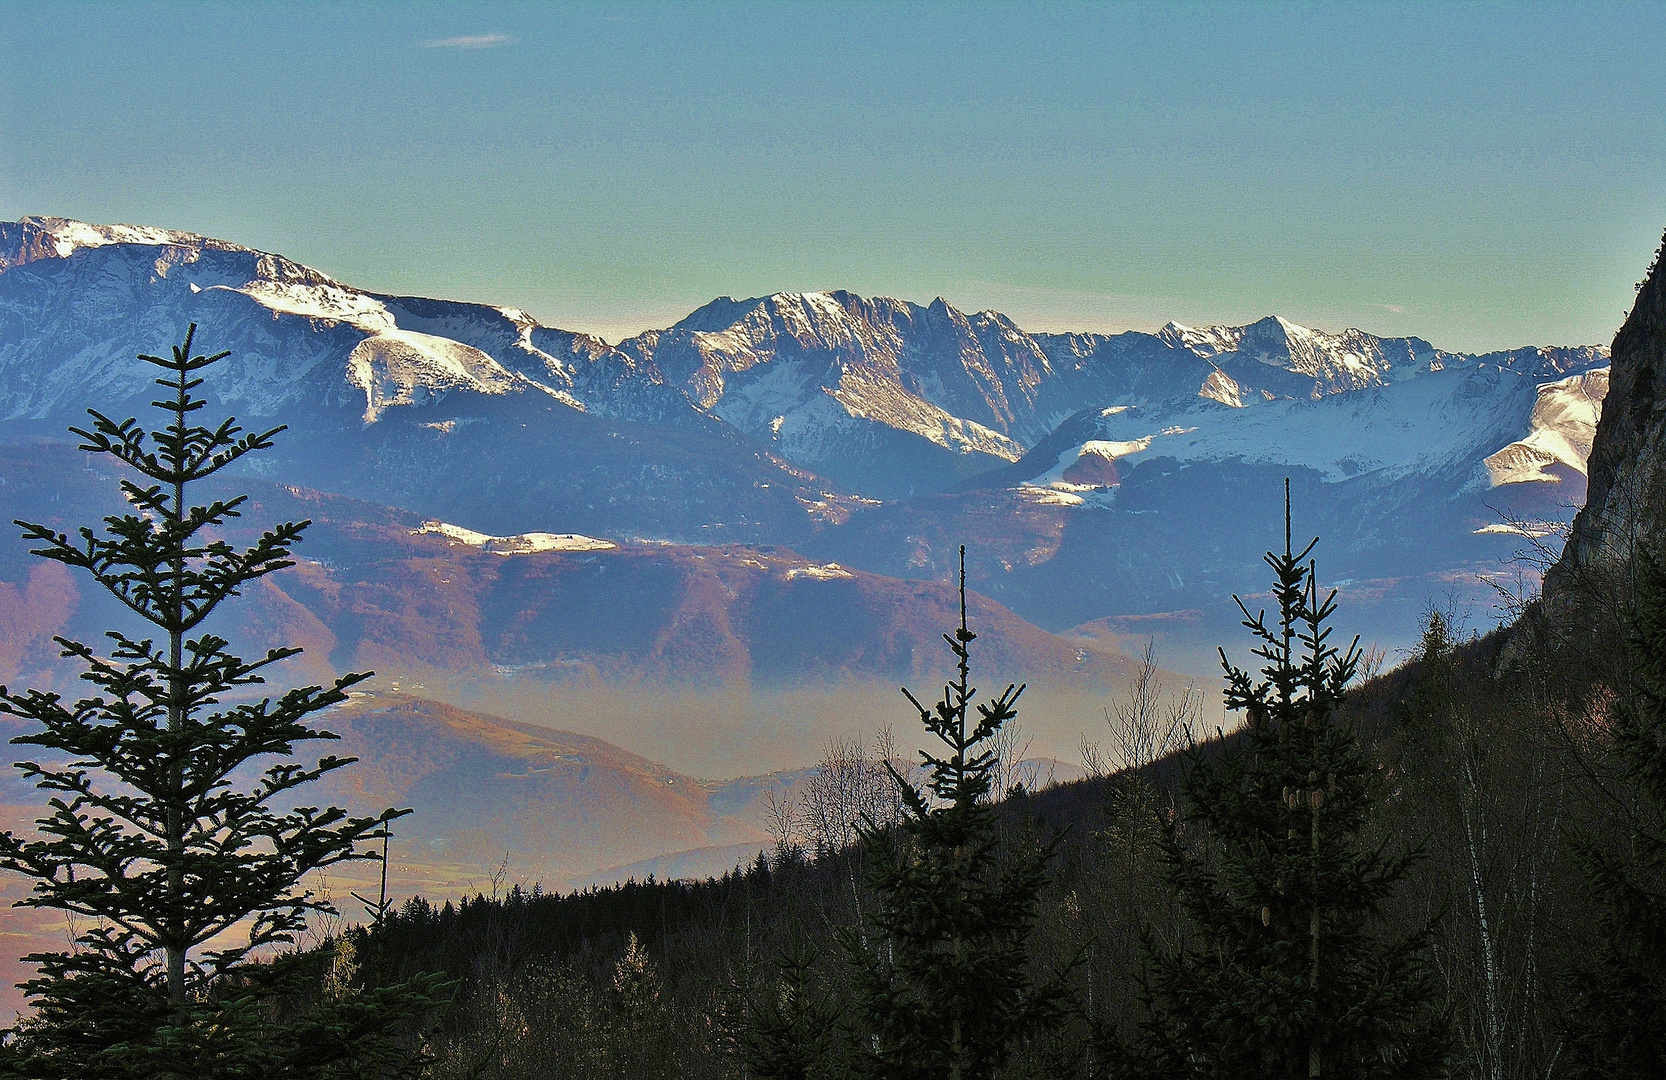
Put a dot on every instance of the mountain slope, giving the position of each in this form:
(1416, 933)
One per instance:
(870, 432)
(556, 804)
(459, 410)
(380, 587)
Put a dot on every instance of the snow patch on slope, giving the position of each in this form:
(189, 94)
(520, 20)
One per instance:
(521, 544)
(402, 367)
(828, 572)
(1101, 448)
(1534, 530)
(330, 301)
(1050, 495)
(1560, 431)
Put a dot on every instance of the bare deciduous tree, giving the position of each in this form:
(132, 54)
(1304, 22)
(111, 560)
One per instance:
(1519, 584)
(1147, 724)
(1013, 768)
(783, 819)
(849, 787)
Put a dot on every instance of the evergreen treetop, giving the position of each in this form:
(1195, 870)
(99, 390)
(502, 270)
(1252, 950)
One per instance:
(791, 1034)
(1284, 977)
(943, 975)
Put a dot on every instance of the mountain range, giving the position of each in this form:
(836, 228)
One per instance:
(1123, 481)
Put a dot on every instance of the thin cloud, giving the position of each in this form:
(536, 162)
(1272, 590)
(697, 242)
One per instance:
(472, 41)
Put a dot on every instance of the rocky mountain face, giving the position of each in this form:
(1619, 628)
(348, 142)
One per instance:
(1091, 476)
(888, 397)
(1626, 508)
(459, 410)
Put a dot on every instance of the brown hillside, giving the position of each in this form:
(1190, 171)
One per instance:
(372, 590)
(557, 804)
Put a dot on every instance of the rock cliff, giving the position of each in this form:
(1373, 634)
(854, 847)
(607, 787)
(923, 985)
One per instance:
(1626, 503)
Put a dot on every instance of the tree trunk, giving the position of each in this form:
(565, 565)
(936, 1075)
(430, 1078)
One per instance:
(176, 945)
(1315, 800)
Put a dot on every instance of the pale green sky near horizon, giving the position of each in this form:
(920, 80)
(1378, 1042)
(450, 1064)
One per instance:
(1481, 175)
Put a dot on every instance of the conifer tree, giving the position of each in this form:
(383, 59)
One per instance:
(791, 1034)
(1617, 1026)
(185, 863)
(943, 976)
(1282, 977)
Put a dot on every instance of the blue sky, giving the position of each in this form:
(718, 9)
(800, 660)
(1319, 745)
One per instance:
(1481, 175)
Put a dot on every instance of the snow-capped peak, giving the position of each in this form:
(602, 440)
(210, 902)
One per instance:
(1204, 341)
(1290, 329)
(68, 236)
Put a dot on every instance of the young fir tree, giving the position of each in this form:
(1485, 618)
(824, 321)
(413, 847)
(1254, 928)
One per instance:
(1283, 977)
(943, 977)
(791, 1034)
(1617, 1026)
(183, 864)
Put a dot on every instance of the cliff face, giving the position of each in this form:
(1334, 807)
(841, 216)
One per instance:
(1625, 507)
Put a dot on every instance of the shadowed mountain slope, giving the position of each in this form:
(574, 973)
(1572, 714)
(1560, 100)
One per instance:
(377, 587)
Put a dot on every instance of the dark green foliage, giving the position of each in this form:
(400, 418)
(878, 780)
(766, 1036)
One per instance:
(943, 973)
(1283, 977)
(182, 866)
(1617, 1027)
(792, 1032)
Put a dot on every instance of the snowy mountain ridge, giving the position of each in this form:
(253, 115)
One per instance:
(403, 351)
(884, 396)
(828, 380)
(1426, 427)
(867, 432)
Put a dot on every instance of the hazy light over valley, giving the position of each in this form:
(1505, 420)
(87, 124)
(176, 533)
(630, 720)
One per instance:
(1483, 176)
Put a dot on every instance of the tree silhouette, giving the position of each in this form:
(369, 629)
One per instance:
(943, 974)
(188, 866)
(1284, 977)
